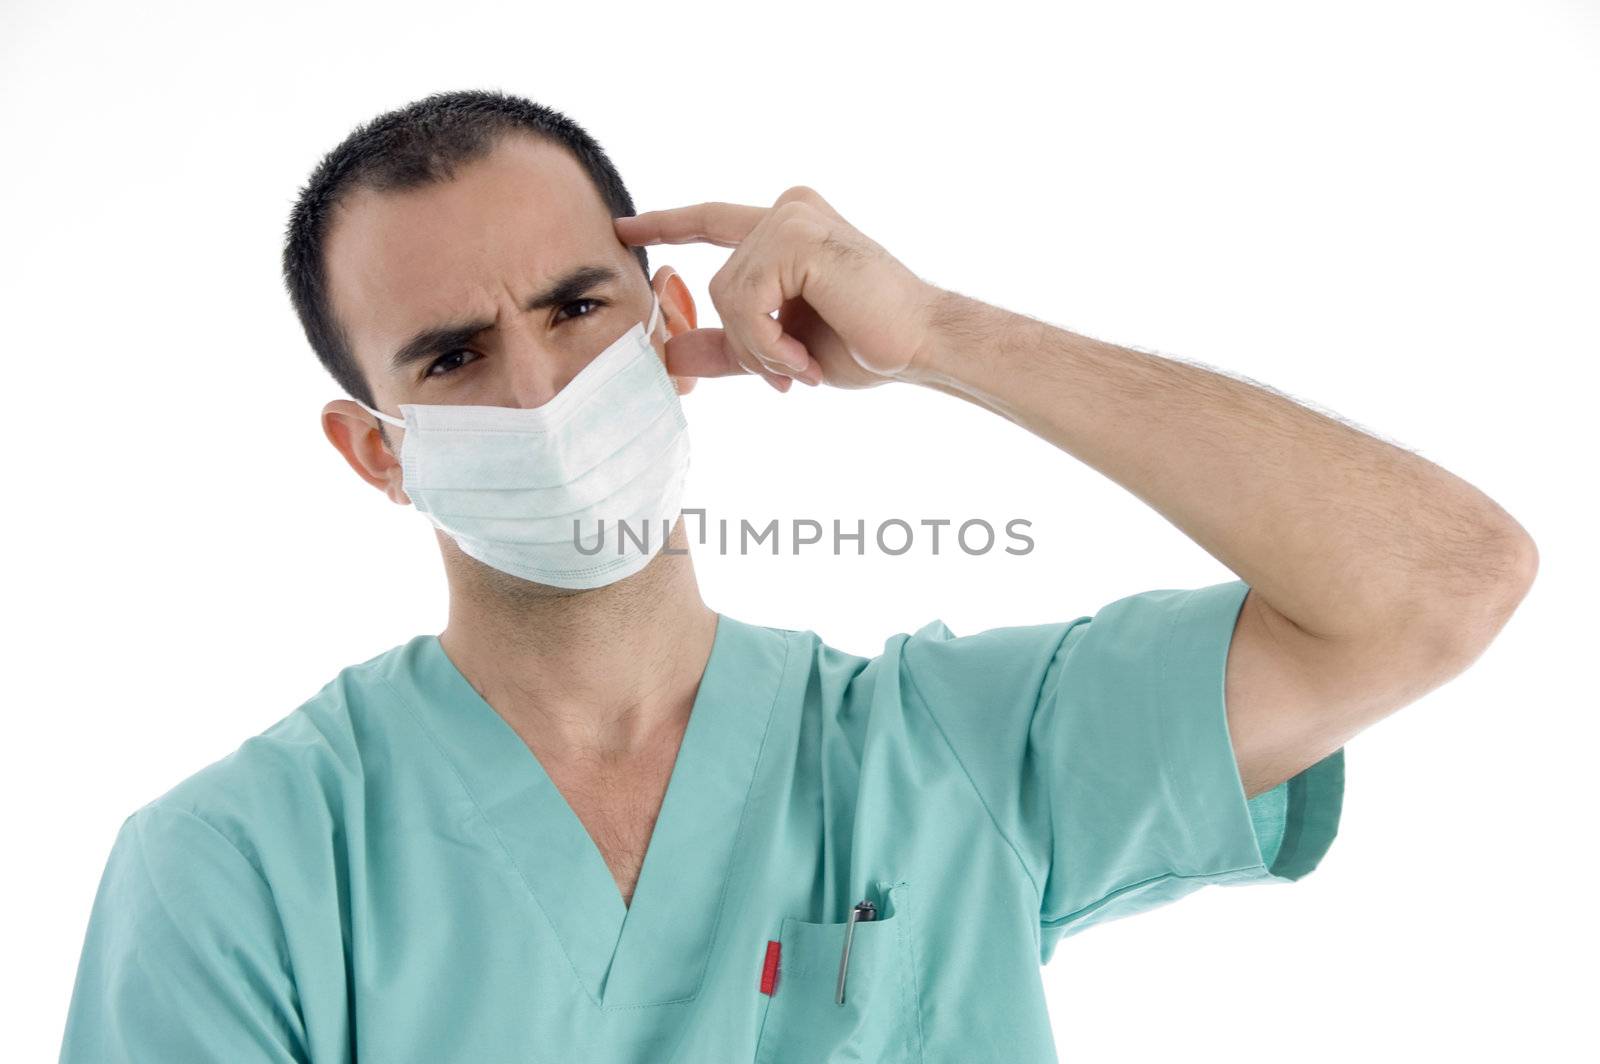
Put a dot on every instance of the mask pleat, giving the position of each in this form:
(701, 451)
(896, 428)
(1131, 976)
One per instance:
(637, 503)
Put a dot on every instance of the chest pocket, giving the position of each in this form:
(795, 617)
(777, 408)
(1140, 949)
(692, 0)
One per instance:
(879, 1020)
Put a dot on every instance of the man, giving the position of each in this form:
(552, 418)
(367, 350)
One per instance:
(594, 819)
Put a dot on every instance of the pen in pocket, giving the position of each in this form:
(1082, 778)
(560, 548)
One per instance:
(863, 910)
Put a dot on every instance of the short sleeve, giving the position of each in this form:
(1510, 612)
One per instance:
(1101, 749)
(184, 957)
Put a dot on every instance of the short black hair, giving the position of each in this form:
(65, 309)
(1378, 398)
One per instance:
(410, 147)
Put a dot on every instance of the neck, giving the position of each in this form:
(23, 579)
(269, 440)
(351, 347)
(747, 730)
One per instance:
(579, 675)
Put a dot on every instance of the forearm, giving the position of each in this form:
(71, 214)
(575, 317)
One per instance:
(1347, 536)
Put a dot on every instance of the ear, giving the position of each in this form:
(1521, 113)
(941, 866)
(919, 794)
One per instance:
(677, 314)
(354, 434)
(677, 305)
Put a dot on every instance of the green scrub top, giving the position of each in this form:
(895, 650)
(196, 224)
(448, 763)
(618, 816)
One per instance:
(388, 874)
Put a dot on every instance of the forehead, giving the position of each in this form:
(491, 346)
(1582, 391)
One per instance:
(513, 220)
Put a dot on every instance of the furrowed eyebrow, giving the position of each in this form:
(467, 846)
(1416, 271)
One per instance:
(439, 338)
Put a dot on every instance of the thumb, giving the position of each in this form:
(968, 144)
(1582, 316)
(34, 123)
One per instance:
(701, 353)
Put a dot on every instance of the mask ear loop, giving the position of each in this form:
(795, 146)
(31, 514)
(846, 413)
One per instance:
(379, 414)
(655, 315)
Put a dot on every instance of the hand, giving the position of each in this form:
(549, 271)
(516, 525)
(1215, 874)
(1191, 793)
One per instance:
(849, 313)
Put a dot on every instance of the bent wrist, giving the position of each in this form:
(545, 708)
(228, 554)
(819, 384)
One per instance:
(960, 337)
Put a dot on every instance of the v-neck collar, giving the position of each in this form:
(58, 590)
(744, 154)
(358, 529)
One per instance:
(653, 951)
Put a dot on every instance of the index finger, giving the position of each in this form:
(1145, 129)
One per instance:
(723, 224)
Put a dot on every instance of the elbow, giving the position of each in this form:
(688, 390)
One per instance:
(1527, 563)
(1474, 617)
(1515, 566)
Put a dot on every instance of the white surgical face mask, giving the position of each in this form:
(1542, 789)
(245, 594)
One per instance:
(610, 452)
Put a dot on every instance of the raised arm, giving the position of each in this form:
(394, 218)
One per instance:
(1374, 574)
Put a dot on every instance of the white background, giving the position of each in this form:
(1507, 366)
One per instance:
(1386, 210)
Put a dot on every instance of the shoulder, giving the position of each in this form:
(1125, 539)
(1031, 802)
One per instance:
(297, 775)
(932, 662)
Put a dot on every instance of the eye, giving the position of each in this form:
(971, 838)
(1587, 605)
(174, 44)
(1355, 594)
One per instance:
(582, 302)
(445, 360)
